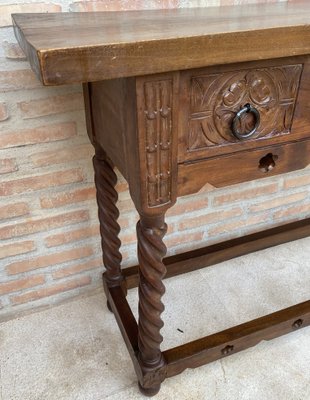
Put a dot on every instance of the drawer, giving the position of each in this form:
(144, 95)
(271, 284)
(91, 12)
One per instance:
(243, 166)
(270, 97)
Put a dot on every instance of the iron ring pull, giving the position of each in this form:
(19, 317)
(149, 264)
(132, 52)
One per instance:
(246, 109)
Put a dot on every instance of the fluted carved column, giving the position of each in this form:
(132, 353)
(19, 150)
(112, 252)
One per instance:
(105, 181)
(151, 250)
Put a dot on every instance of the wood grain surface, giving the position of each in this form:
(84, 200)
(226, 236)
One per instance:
(107, 45)
(243, 166)
(210, 98)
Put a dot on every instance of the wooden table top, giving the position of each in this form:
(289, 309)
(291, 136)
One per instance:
(78, 47)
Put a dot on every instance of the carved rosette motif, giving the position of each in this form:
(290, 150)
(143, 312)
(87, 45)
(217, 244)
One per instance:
(216, 98)
(158, 136)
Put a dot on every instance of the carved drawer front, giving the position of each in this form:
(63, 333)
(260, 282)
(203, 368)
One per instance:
(265, 96)
(240, 167)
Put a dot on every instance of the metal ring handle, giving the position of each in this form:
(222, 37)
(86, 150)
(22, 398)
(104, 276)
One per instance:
(245, 110)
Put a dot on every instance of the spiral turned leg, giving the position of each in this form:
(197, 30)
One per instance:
(151, 250)
(105, 181)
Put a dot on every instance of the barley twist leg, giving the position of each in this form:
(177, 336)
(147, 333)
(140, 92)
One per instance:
(151, 250)
(105, 181)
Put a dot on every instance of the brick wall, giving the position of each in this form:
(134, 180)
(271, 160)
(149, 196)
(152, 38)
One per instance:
(50, 247)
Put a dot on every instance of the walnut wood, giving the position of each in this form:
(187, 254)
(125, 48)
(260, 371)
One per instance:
(241, 167)
(105, 180)
(161, 88)
(211, 97)
(157, 105)
(88, 104)
(113, 112)
(217, 253)
(217, 345)
(143, 145)
(101, 46)
(301, 119)
(148, 378)
(212, 347)
(151, 250)
(230, 341)
(125, 319)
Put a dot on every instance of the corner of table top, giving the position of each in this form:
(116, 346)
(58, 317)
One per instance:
(136, 52)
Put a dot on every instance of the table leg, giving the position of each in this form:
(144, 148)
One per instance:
(151, 250)
(105, 181)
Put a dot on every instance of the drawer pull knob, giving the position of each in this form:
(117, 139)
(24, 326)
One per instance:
(245, 110)
(268, 162)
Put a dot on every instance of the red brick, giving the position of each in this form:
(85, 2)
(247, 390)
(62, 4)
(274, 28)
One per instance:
(296, 181)
(125, 222)
(12, 51)
(126, 205)
(294, 211)
(8, 165)
(171, 228)
(20, 284)
(32, 183)
(188, 223)
(183, 239)
(49, 260)
(278, 201)
(121, 187)
(128, 238)
(116, 5)
(207, 188)
(43, 224)
(183, 207)
(51, 290)
(18, 79)
(51, 105)
(13, 210)
(78, 268)
(4, 113)
(7, 9)
(71, 236)
(62, 199)
(237, 2)
(14, 249)
(73, 153)
(245, 194)
(234, 226)
(42, 134)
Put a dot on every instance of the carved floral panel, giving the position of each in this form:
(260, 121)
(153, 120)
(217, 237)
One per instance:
(216, 98)
(158, 137)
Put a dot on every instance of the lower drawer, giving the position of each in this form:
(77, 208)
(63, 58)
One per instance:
(243, 166)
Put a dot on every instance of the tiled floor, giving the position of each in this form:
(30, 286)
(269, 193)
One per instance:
(75, 351)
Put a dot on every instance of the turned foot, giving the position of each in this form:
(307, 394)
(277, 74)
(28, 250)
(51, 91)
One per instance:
(149, 391)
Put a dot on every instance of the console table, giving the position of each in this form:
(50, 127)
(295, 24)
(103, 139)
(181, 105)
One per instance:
(176, 99)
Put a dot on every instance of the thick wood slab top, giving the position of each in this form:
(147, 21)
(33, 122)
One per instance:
(79, 47)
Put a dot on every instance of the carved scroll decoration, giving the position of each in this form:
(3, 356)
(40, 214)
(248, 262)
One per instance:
(158, 136)
(216, 98)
